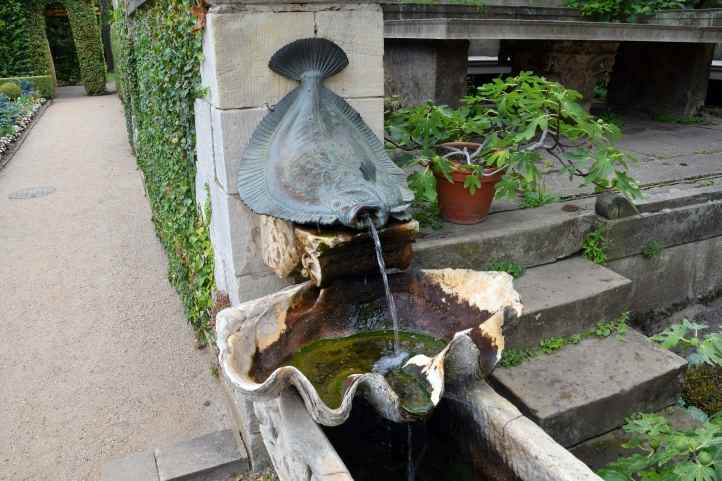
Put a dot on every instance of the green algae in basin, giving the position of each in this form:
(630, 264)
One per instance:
(327, 363)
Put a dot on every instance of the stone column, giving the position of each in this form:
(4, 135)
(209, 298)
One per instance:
(661, 78)
(577, 65)
(239, 39)
(422, 70)
(238, 42)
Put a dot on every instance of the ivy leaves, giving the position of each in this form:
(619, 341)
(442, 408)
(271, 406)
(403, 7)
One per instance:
(160, 80)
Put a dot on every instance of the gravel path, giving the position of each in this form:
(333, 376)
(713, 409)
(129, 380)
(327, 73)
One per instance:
(97, 359)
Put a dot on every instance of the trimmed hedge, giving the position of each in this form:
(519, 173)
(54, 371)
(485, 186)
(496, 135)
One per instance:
(158, 58)
(86, 35)
(43, 84)
(14, 47)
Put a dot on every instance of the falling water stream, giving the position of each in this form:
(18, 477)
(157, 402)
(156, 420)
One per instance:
(410, 468)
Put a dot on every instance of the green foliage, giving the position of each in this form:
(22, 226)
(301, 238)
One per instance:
(530, 200)
(513, 357)
(594, 246)
(673, 119)
(510, 267)
(666, 454)
(510, 123)
(42, 84)
(11, 111)
(702, 388)
(159, 79)
(11, 90)
(652, 249)
(86, 37)
(62, 47)
(707, 349)
(625, 10)
(14, 58)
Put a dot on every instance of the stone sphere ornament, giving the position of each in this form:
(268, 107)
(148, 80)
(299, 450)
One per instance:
(312, 159)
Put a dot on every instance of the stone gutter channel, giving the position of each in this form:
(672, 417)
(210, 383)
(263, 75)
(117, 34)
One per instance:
(531, 439)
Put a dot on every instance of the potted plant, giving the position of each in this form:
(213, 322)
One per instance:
(499, 142)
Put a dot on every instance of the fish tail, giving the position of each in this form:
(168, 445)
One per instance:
(309, 55)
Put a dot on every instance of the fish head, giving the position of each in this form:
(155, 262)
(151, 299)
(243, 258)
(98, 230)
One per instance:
(356, 206)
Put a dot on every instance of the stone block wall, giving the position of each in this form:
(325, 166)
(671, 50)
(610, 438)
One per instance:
(239, 40)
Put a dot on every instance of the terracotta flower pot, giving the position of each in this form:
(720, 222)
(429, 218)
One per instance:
(457, 205)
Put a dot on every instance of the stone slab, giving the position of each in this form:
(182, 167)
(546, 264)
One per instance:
(503, 444)
(213, 457)
(600, 451)
(565, 298)
(588, 389)
(205, 173)
(675, 277)
(670, 227)
(137, 467)
(517, 29)
(238, 46)
(529, 237)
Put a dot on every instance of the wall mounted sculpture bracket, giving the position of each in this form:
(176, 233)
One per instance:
(312, 159)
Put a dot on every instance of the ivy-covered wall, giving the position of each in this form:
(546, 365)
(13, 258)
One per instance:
(14, 58)
(157, 56)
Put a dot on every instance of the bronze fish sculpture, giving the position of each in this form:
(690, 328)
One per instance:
(312, 159)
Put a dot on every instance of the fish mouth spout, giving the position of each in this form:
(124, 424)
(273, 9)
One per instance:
(359, 216)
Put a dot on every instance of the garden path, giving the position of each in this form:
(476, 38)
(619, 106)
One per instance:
(97, 358)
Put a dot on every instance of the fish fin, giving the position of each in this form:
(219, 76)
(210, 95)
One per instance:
(308, 55)
(368, 170)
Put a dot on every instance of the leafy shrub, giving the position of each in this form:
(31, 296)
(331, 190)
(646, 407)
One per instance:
(11, 90)
(9, 113)
(667, 454)
(26, 88)
(42, 85)
(511, 268)
(625, 10)
(594, 245)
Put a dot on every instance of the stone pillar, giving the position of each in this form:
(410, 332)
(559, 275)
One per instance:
(661, 78)
(238, 43)
(577, 65)
(422, 70)
(239, 39)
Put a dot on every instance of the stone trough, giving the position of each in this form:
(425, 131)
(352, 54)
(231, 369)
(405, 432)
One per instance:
(473, 433)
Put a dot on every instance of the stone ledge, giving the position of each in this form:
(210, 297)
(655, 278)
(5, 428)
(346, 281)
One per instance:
(516, 29)
(589, 388)
(136, 467)
(213, 457)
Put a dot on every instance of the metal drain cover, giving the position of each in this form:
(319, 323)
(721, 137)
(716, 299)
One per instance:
(32, 192)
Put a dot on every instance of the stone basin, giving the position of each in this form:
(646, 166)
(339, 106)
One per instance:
(464, 308)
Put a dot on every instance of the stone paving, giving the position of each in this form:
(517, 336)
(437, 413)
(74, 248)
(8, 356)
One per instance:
(98, 361)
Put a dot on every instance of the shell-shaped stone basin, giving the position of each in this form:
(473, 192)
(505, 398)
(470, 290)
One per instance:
(463, 309)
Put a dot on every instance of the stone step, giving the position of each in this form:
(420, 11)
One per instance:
(213, 457)
(565, 298)
(588, 389)
(529, 237)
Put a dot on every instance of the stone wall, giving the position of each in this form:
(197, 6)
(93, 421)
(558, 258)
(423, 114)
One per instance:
(238, 42)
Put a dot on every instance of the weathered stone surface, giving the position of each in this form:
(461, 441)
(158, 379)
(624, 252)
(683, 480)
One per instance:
(237, 52)
(252, 286)
(213, 457)
(646, 79)
(566, 298)
(613, 205)
(426, 70)
(575, 64)
(372, 111)
(529, 237)
(677, 275)
(137, 467)
(299, 449)
(205, 174)
(588, 389)
(503, 444)
(359, 31)
(238, 46)
(669, 227)
(600, 451)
